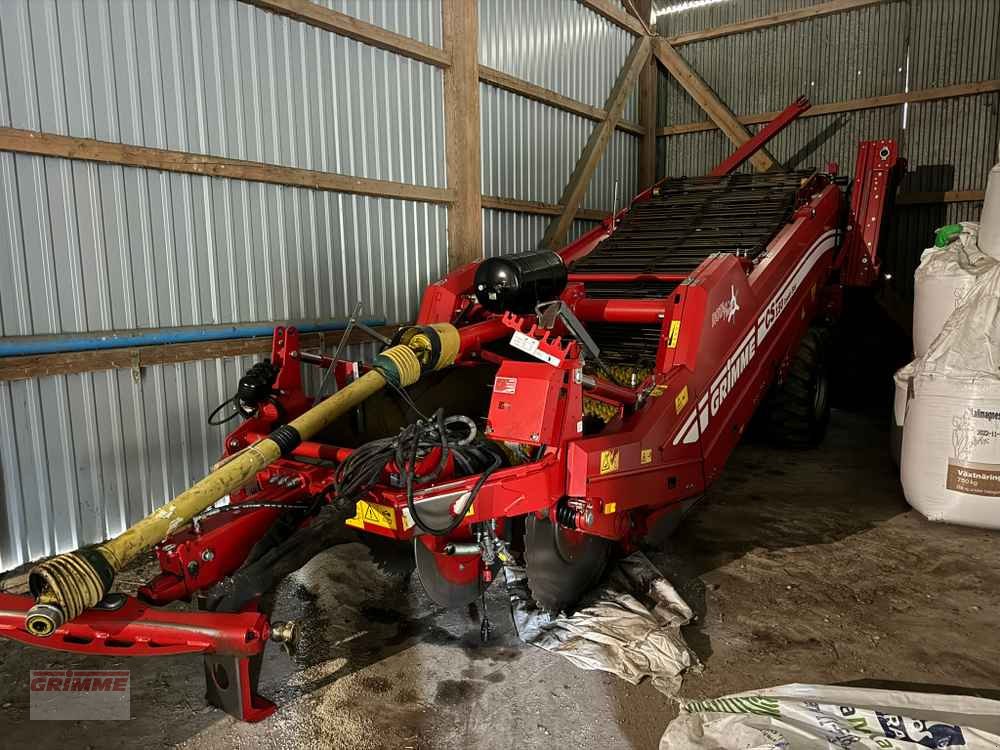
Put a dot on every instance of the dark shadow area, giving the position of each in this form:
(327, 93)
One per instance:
(867, 348)
(911, 227)
(804, 155)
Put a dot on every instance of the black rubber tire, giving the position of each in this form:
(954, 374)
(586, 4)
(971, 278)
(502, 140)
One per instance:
(557, 574)
(796, 412)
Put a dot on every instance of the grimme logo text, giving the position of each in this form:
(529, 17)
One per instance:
(74, 681)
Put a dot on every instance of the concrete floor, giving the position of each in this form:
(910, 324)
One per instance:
(802, 567)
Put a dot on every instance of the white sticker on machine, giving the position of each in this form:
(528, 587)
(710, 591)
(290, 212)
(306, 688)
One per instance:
(529, 345)
(506, 386)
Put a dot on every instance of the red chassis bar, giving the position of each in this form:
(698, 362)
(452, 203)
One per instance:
(136, 629)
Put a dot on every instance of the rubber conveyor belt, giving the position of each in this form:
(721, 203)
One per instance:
(685, 221)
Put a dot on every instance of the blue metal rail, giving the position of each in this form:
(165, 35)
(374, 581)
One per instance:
(18, 346)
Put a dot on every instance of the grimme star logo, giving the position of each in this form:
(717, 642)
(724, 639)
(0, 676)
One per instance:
(727, 310)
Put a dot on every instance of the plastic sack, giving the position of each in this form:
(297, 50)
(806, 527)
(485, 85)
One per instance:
(950, 464)
(990, 220)
(942, 281)
(903, 381)
(629, 626)
(817, 717)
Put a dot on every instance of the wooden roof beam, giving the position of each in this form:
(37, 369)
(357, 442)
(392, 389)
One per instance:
(356, 29)
(775, 19)
(707, 99)
(579, 181)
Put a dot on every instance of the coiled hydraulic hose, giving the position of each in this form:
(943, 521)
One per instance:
(65, 585)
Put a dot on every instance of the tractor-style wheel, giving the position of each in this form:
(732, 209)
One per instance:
(796, 412)
(561, 564)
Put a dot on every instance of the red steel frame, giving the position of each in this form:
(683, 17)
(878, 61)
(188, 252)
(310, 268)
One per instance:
(762, 137)
(673, 434)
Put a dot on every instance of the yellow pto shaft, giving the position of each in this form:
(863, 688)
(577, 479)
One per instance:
(67, 584)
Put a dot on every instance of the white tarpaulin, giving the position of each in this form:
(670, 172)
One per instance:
(630, 626)
(817, 717)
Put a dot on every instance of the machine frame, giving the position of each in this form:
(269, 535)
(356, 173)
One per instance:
(727, 332)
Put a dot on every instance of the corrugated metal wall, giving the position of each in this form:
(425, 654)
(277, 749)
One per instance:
(89, 247)
(530, 148)
(883, 49)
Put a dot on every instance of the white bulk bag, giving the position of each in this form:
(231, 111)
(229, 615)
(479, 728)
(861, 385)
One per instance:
(942, 281)
(950, 462)
(902, 380)
(820, 717)
(990, 221)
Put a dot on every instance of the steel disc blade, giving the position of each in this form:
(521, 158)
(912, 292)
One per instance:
(445, 583)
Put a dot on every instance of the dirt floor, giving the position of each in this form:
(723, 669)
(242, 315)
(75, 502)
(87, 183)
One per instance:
(802, 567)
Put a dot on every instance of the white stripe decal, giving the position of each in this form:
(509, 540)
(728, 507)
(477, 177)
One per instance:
(734, 367)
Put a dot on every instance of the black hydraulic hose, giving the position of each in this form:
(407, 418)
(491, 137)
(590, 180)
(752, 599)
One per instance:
(364, 467)
(216, 422)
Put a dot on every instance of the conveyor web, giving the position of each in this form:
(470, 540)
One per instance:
(672, 233)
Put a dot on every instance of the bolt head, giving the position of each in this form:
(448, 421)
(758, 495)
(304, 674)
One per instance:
(207, 555)
(234, 444)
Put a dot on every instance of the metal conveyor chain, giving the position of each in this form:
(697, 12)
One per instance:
(684, 222)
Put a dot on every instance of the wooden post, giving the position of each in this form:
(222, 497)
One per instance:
(707, 99)
(461, 120)
(576, 188)
(647, 108)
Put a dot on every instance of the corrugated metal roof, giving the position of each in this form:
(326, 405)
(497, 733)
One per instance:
(883, 49)
(91, 247)
(507, 232)
(564, 47)
(222, 78)
(530, 149)
(420, 19)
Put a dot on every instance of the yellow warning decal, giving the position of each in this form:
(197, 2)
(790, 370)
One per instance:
(681, 400)
(673, 333)
(610, 507)
(610, 460)
(657, 391)
(374, 515)
(646, 457)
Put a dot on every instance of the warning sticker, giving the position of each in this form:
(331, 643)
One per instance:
(504, 385)
(646, 457)
(529, 345)
(610, 460)
(974, 478)
(374, 515)
(681, 400)
(673, 333)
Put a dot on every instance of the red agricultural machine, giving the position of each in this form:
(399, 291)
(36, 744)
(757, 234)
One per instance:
(555, 408)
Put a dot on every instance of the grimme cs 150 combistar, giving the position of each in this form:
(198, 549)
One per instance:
(555, 408)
